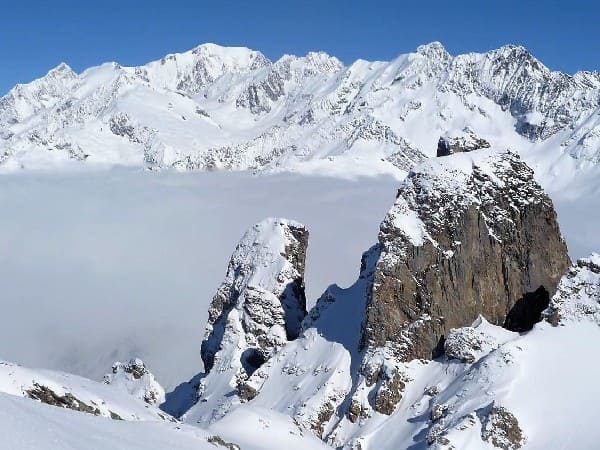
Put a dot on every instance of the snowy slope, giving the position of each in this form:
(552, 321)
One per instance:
(74, 392)
(231, 108)
(26, 425)
(63, 411)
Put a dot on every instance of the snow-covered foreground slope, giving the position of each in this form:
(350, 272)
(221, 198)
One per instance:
(546, 370)
(74, 392)
(26, 425)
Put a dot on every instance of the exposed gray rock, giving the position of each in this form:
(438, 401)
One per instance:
(464, 142)
(501, 429)
(218, 441)
(388, 392)
(46, 395)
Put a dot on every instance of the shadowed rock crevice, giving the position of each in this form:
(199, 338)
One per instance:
(251, 360)
(527, 311)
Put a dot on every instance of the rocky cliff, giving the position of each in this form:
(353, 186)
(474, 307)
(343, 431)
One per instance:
(469, 234)
(468, 257)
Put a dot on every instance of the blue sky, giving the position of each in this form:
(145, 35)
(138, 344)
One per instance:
(36, 35)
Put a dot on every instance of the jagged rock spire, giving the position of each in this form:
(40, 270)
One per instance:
(257, 309)
(261, 303)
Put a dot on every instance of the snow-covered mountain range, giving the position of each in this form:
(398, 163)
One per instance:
(231, 108)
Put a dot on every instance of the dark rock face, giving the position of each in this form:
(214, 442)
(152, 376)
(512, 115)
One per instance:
(46, 395)
(467, 142)
(468, 235)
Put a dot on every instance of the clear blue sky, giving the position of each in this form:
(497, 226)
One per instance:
(36, 35)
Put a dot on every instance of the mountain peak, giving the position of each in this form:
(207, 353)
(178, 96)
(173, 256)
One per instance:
(434, 49)
(63, 68)
(226, 53)
(518, 53)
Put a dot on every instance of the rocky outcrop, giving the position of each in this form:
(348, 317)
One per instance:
(501, 429)
(468, 343)
(469, 234)
(468, 257)
(578, 295)
(134, 378)
(258, 308)
(261, 303)
(46, 395)
(466, 141)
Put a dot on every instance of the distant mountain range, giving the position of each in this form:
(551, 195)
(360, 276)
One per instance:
(230, 108)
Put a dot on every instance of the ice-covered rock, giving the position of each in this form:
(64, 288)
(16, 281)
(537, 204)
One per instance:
(257, 309)
(134, 378)
(578, 295)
